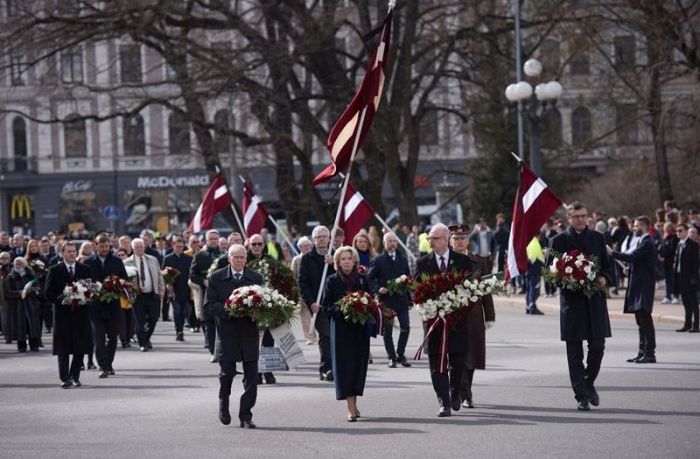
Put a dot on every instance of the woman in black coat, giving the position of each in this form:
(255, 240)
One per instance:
(349, 341)
(24, 312)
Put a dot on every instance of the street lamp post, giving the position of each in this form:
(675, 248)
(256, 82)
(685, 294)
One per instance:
(538, 104)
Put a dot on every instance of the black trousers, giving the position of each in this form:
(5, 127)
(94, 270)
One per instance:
(647, 335)
(323, 328)
(583, 378)
(74, 372)
(126, 325)
(104, 350)
(146, 312)
(404, 329)
(465, 390)
(690, 303)
(250, 386)
(447, 385)
(209, 328)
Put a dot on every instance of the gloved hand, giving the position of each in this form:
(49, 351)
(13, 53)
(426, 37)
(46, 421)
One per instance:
(489, 324)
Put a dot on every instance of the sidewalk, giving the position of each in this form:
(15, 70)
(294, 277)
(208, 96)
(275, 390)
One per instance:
(662, 313)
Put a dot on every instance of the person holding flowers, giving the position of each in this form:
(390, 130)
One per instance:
(71, 331)
(443, 260)
(353, 315)
(582, 300)
(390, 277)
(105, 312)
(237, 337)
(176, 272)
(22, 296)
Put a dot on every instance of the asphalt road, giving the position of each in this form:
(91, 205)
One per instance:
(164, 404)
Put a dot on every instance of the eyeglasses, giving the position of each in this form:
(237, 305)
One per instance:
(256, 244)
(435, 238)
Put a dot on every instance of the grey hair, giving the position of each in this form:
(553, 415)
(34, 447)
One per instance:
(441, 227)
(387, 235)
(211, 231)
(318, 229)
(22, 260)
(137, 240)
(234, 248)
(304, 240)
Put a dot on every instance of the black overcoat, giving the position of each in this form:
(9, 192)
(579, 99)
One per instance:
(182, 263)
(640, 291)
(23, 317)
(237, 337)
(382, 269)
(71, 330)
(113, 266)
(349, 341)
(580, 318)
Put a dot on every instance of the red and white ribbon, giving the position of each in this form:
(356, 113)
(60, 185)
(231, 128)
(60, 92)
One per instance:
(442, 368)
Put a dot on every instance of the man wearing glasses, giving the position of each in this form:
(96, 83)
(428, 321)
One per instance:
(582, 318)
(685, 268)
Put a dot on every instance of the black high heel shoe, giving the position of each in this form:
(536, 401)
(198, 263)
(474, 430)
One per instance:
(357, 413)
(352, 418)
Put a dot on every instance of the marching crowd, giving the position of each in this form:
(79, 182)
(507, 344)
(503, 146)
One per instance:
(35, 272)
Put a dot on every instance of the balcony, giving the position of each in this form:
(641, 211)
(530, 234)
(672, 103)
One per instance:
(19, 165)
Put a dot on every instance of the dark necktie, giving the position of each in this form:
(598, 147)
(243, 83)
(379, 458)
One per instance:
(70, 272)
(443, 266)
(142, 273)
(678, 256)
(393, 257)
(237, 277)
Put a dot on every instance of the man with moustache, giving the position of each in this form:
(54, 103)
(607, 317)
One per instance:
(105, 316)
(237, 337)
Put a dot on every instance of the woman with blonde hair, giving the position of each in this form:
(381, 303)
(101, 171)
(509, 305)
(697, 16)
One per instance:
(364, 249)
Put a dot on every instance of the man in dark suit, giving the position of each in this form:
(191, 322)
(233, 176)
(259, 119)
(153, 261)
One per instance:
(180, 293)
(71, 331)
(639, 298)
(686, 278)
(442, 259)
(237, 336)
(382, 269)
(105, 315)
(198, 275)
(580, 318)
(310, 273)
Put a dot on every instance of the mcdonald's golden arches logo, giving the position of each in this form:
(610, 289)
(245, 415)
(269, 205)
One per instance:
(20, 207)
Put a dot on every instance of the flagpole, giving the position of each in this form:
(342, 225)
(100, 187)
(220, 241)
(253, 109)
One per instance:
(346, 180)
(518, 158)
(408, 252)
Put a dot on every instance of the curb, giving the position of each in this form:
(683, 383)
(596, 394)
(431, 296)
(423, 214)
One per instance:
(519, 303)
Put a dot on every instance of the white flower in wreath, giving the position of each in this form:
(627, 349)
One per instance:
(569, 270)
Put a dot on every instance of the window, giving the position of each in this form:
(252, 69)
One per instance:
(130, 59)
(626, 125)
(134, 136)
(580, 126)
(75, 141)
(624, 53)
(17, 69)
(19, 137)
(551, 132)
(222, 140)
(429, 130)
(549, 56)
(179, 134)
(72, 65)
(580, 64)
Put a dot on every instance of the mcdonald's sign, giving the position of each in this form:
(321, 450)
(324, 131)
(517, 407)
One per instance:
(20, 207)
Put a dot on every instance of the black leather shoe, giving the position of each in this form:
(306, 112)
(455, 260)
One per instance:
(583, 405)
(456, 403)
(143, 349)
(404, 362)
(270, 378)
(149, 345)
(66, 384)
(694, 330)
(392, 363)
(352, 418)
(82, 367)
(246, 424)
(683, 329)
(467, 403)
(91, 366)
(260, 378)
(536, 312)
(444, 412)
(75, 382)
(224, 414)
(593, 396)
(647, 359)
(110, 372)
(103, 374)
(637, 357)
(327, 376)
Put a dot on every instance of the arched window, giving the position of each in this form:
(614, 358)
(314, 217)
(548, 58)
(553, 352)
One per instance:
(580, 126)
(551, 134)
(134, 136)
(179, 134)
(74, 137)
(19, 136)
(222, 140)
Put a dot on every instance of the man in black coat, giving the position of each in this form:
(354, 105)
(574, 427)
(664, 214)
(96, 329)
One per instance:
(237, 336)
(198, 275)
(442, 259)
(685, 267)
(639, 298)
(71, 331)
(581, 318)
(105, 316)
(382, 269)
(180, 293)
(310, 273)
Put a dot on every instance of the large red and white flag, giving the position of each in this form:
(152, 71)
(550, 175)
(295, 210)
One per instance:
(356, 212)
(534, 204)
(254, 212)
(215, 200)
(345, 131)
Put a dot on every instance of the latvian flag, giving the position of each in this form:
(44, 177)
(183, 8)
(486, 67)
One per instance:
(217, 199)
(254, 212)
(344, 133)
(356, 213)
(534, 204)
